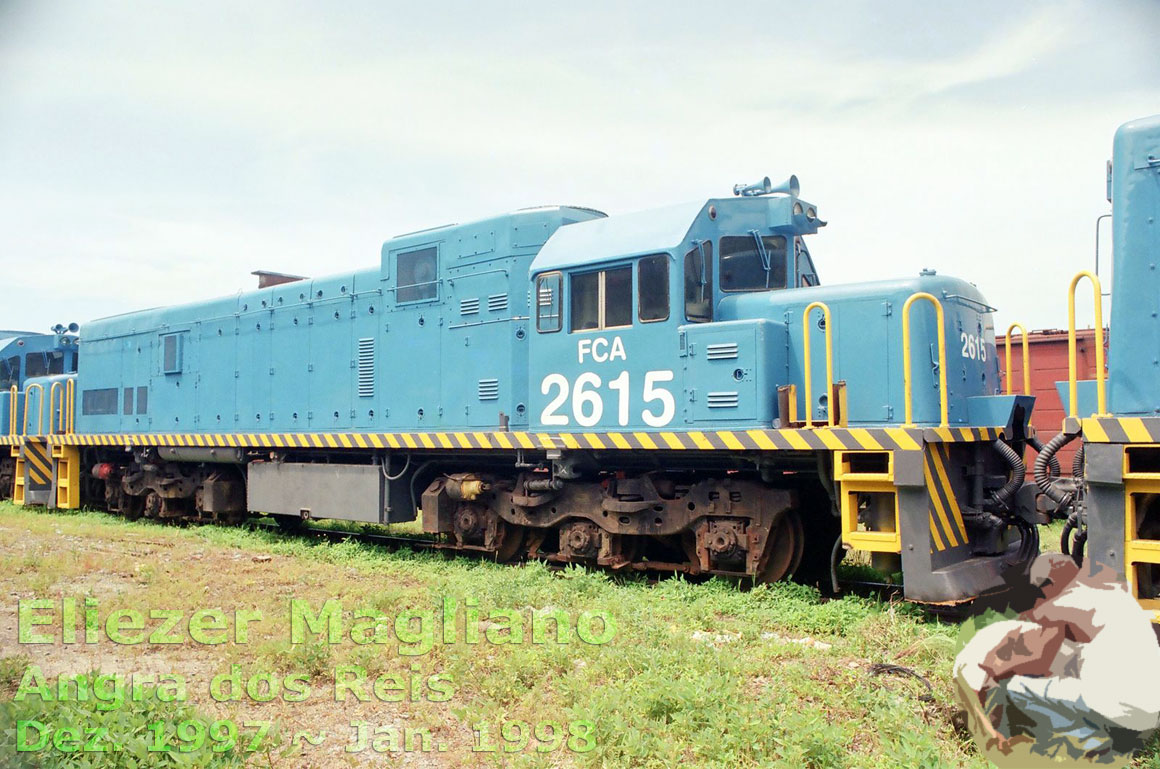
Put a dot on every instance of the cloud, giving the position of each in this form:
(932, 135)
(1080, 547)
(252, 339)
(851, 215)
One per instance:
(171, 150)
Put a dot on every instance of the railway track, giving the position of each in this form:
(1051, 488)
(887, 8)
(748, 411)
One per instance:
(337, 535)
(882, 591)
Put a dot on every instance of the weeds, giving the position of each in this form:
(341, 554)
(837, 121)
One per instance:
(130, 738)
(702, 674)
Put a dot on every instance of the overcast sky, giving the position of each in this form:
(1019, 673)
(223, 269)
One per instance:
(154, 154)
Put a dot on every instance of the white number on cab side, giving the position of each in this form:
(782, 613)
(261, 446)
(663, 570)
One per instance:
(974, 348)
(559, 381)
(654, 393)
(587, 406)
(588, 401)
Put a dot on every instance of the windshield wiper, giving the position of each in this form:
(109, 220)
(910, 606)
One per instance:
(763, 254)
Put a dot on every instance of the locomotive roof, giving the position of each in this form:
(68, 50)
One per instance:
(672, 227)
(656, 229)
(519, 229)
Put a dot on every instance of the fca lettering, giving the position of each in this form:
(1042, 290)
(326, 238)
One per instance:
(600, 350)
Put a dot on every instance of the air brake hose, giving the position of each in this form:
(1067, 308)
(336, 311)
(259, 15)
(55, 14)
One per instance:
(825, 476)
(1077, 551)
(1042, 469)
(1081, 533)
(1028, 540)
(1002, 497)
(1065, 537)
(1053, 461)
(1029, 548)
(834, 565)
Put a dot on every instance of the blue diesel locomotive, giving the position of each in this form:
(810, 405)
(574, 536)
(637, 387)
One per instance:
(35, 368)
(673, 389)
(1115, 494)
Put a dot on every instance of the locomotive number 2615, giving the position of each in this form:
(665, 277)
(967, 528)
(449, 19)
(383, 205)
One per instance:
(588, 399)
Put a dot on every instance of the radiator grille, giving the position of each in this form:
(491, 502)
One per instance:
(469, 306)
(721, 351)
(366, 367)
(723, 400)
(489, 389)
(497, 302)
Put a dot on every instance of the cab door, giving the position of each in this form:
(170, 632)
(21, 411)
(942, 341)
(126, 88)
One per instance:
(606, 352)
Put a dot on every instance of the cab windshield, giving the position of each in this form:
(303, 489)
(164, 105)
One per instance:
(750, 264)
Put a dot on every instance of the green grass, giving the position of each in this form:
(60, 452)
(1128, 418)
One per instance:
(132, 741)
(698, 674)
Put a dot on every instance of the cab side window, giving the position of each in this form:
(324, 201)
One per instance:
(699, 283)
(418, 275)
(749, 265)
(601, 299)
(617, 297)
(9, 372)
(586, 301)
(803, 264)
(652, 280)
(35, 364)
(548, 303)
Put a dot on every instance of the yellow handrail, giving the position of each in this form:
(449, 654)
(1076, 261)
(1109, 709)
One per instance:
(65, 412)
(55, 413)
(71, 391)
(942, 357)
(40, 413)
(829, 363)
(14, 394)
(1026, 359)
(1072, 379)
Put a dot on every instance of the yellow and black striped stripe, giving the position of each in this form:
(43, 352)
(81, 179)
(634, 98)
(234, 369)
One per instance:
(37, 463)
(1116, 429)
(832, 439)
(961, 434)
(946, 517)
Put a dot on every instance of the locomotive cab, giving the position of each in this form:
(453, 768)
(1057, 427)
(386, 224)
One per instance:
(616, 299)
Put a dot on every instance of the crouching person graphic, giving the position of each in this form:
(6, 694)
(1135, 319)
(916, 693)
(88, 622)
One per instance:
(1062, 670)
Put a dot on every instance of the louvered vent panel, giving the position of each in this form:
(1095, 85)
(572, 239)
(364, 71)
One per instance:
(489, 389)
(497, 302)
(723, 400)
(721, 351)
(469, 306)
(366, 367)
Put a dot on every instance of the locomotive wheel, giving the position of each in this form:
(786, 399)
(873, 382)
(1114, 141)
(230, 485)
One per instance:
(799, 534)
(630, 547)
(783, 551)
(153, 505)
(132, 507)
(512, 539)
